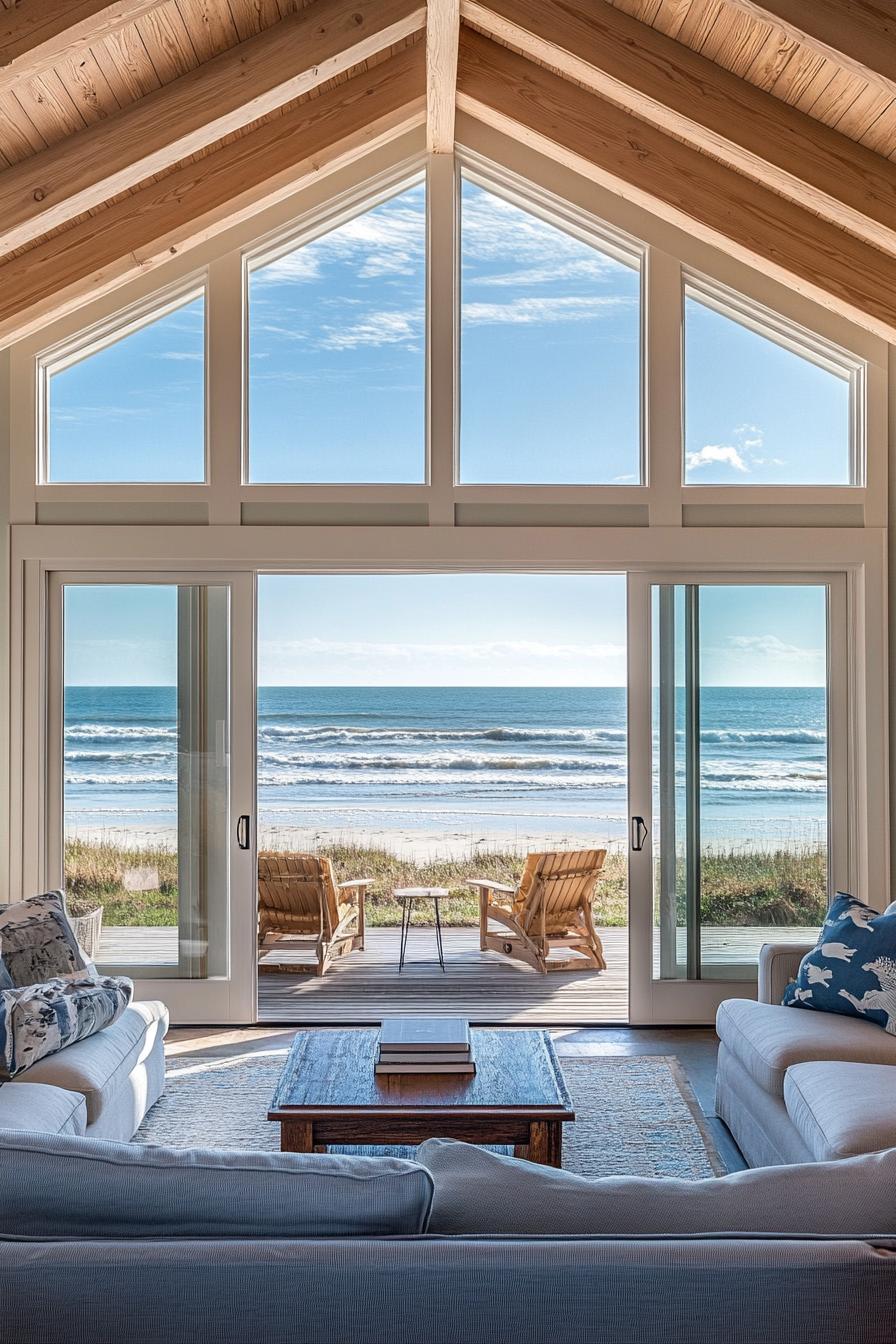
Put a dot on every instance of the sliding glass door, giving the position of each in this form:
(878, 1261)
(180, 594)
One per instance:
(738, 829)
(150, 782)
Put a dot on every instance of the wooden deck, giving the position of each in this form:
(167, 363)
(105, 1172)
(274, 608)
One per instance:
(482, 986)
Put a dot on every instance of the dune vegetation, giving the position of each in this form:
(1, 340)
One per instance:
(138, 886)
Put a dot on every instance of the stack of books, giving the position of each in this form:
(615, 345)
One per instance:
(425, 1045)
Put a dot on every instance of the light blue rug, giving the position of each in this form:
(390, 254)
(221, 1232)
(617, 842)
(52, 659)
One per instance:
(636, 1115)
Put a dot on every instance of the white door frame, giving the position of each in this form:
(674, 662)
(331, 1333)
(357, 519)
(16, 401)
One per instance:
(116, 552)
(670, 1001)
(224, 999)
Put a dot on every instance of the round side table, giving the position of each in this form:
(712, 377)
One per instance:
(407, 896)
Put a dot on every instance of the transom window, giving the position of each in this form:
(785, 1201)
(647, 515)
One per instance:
(553, 334)
(765, 403)
(129, 405)
(550, 352)
(337, 374)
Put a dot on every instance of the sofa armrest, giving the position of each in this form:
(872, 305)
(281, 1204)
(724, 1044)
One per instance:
(778, 965)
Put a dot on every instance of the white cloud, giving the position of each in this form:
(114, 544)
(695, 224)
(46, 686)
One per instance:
(388, 240)
(570, 308)
(493, 663)
(772, 647)
(295, 267)
(742, 455)
(379, 328)
(717, 452)
(581, 268)
(191, 356)
(92, 414)
(496, 230)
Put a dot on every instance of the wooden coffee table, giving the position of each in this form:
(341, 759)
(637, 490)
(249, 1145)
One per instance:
(328, 1093)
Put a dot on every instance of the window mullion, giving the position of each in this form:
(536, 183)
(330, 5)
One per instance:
(442, 307)
(662, 382)
(224, 388)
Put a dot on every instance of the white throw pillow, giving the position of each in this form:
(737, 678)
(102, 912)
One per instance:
(71, 1188)
(479, 1192)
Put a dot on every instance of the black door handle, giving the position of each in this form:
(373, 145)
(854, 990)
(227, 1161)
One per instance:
(639, 833)
(242, 832)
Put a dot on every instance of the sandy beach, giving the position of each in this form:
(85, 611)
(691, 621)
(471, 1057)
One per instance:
(419, 846)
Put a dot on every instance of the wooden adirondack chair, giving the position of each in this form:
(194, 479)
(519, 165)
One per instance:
(300, 900)
(550, 907)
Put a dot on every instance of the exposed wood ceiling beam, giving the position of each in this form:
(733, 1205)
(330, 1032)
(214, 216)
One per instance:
(196, 110)
(442, 32)
(643, 164)
(858, 34)
(682, 92)
(204, 198)
(38, 33)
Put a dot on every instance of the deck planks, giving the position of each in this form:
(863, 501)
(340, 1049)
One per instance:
(486, 987)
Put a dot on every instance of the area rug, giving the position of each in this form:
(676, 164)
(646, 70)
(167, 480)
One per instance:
(636, 1116)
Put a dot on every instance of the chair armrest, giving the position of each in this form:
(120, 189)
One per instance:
(355, 891)
(483, 884)
(778, 965)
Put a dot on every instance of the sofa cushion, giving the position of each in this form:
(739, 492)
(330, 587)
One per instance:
(98, 1066)
(842, 1109)
(477, 1191)
(40, 1109)
(40, 1020)
(767, 1039)
(72, 1188)
(852, 969)
(37, 941)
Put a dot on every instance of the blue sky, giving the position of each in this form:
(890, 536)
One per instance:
(447, 629)
(337, 355)
(550, 338)
(134, 411)
(755, 412)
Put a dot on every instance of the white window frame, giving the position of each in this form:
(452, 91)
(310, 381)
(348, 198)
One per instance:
(586, 228)
(798, 340)
(329, 219)
(100, 336)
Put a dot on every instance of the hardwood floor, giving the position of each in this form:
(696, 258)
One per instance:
(695, 1049)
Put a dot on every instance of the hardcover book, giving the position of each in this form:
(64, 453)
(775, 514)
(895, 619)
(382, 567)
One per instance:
(407, 1035)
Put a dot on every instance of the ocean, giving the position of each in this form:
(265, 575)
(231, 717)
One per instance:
(433, 768)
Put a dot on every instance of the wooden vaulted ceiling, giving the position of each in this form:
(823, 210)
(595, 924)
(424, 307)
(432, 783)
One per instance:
(131, 129)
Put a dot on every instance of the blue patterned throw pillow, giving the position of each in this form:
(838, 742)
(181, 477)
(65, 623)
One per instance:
(39, 1020)
(852, 968)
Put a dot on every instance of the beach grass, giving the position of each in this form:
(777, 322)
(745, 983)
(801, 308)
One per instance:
(137, 886)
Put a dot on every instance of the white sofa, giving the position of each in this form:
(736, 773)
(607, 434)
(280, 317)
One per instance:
(101, 1087)
(800, 1086)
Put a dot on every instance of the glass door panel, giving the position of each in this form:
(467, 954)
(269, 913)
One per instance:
(736, 769)
(146, 777)
(151, 782)
(740, 768)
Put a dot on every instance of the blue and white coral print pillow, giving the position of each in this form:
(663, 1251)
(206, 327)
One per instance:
(39, 1020)
(852, 968)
